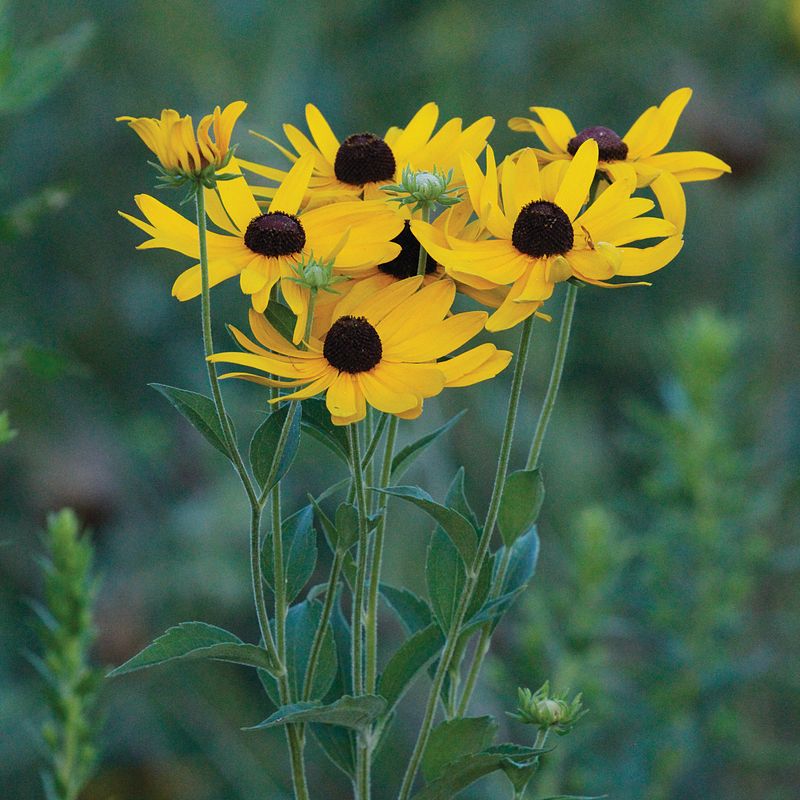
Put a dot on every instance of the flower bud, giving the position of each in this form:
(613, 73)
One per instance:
(548, 712)
(425, 188)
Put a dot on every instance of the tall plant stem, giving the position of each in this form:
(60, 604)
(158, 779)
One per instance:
(357, 632)
(422, 262)
(555, 376)
(548, 405)
(473, 570)
(377, 560)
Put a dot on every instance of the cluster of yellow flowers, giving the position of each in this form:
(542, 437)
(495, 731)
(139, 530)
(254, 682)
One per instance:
(371, 280)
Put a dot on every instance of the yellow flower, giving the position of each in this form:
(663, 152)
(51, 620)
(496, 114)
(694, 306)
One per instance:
(363, 162)
(180, 152)
(637, 155)
(262, 248)
(542, 236)
(382, 350)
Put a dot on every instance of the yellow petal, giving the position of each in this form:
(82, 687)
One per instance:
(324, 137)
(574, 188)
(643, 261)
(289, 194)
(558, 125)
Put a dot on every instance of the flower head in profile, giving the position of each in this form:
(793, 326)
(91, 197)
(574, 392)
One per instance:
(384, 351)
(542, 234)
(360, 164)
(265, 248)
(184, 156)
(635, 156)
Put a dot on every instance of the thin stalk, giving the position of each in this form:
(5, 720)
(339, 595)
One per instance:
(377, 559)
(555, 376)
(375, 441)
(279, 582)
(473, 573)
(422, 263)
(208, 347)
(533, 459)
(312, 302)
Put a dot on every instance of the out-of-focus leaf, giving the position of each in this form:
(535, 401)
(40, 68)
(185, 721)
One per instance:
(339, 745)
(264, 445)
(412, 611)
(412, 656)
(317, 422)
(193, 641)
(406, 457)
(454, 739)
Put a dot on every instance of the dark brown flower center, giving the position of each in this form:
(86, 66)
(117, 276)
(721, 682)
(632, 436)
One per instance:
(611, 147)
(352, 345)
(406, 263)
(275, 234)
(542, 229)
(364, 158)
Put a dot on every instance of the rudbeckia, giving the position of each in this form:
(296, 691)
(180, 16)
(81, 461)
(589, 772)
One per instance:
(363, 162)
(542, 235)
(637, 155)
(383, 350)
(180, 152)
(265, 247)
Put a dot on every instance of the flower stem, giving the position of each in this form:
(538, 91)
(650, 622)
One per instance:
(555, 376)
(377, 559)
(474, 570)
(422, 263)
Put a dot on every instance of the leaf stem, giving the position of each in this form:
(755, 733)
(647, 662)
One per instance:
(473, 570)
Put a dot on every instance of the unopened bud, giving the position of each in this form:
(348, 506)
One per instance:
(550, 712)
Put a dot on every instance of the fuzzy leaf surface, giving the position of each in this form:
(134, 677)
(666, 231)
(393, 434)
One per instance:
(347, 712)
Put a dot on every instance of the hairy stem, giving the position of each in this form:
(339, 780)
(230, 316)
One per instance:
(422, 263)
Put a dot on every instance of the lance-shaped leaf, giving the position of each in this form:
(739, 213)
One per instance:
(265, 441)
(465, 771)
(454, 739)
(195, 641)
(457, 527)
(412, 611)
(406, 457)
(346, 712)
(317, 422)
(200, 411)
(412, 656)
(520, 504)
(299, 552)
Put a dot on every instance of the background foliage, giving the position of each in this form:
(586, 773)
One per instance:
(667, 586)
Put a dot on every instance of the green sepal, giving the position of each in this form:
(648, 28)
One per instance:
(195, 641)
(200, 412)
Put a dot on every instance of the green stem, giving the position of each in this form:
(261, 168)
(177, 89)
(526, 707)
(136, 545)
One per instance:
(533, 459)
(377, 559)
(312, 302)
(208, 346)
(279, 582)
(375, 441)
(473, 573)
(555, 376)
(422, 263)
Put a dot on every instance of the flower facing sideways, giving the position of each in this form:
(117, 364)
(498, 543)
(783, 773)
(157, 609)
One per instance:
(265, 247)
(637, 155)
(542, 234)
(183, 155)
(383, 351)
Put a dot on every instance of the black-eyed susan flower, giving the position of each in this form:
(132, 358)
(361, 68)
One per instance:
(541, 233)
(265, 247)
(182, 154)
(360, 164)
(384, 350)
(637, 155)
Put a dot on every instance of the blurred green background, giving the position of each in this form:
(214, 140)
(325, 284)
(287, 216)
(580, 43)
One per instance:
(667, 589)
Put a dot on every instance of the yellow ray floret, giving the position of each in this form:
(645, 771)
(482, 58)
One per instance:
(264, 247)
(179, 150)
(384, 350)
(635, 156)
(543, 232)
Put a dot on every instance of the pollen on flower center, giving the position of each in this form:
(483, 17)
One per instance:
(542, 229)
(352, 345)
(275, 234)
(364, 158)
(610, 146)
(406, 263)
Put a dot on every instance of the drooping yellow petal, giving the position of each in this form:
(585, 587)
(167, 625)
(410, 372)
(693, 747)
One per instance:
(689, 165)
(643, 261)
(475, 365)
(574, 188)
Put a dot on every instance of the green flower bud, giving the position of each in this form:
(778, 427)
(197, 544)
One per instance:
(549, 712)
(316, 275)
(424, 188)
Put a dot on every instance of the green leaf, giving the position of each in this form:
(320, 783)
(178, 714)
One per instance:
(264, 445)
(347, 712)
(301, 624)
(193, 641)
(299, 549)
(200, 411)
(7, 433)
(453, 739)
(458, 528)
(281, 318)
(457, 499)
(339, 745)
(411, 657)
(317, 422)
(406, 457)
(445, 577)
(412, 611)
(467, 770)
(520, 504)
(346, 525)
